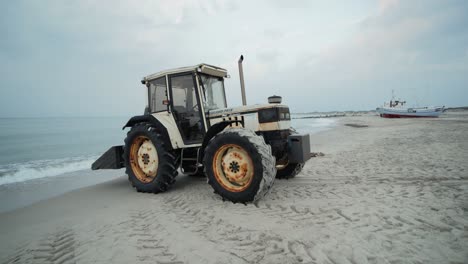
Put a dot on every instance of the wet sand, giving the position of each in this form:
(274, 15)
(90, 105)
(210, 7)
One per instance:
(21, 194)
(386, 191)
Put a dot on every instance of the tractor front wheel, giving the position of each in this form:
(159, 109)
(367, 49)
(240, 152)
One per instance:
(239, 165)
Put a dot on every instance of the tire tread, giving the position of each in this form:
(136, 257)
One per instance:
(267, 160)
(167, 171)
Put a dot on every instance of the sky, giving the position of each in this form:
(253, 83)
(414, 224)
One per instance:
(86, 58)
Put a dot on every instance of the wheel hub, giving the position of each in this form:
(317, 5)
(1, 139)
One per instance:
(144, 159)
(147, 158)
(233, 167)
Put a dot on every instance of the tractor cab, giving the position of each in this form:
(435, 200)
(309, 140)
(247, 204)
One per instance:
(188, 94)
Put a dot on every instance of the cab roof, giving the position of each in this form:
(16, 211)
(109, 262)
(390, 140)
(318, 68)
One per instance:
(203, 68)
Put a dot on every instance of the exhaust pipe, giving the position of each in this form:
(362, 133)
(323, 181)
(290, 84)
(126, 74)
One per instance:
(241, 77)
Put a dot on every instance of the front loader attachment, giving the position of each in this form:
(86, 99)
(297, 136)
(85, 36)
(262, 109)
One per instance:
(111, 159)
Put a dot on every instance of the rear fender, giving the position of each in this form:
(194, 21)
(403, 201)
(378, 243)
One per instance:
(160, 127)
(141, 119)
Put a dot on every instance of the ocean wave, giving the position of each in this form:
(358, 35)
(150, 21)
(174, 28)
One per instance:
(20, 172)
(311, 126)
(321, 122)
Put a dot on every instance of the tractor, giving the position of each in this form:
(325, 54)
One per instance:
(188, 125)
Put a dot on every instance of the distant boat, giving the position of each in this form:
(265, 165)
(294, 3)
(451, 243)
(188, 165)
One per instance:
(397, 109)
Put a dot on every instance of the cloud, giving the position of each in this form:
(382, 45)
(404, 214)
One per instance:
(415, 47)
(403, 38)
(87, 57)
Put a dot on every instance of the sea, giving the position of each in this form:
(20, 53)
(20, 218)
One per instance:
(34, 148)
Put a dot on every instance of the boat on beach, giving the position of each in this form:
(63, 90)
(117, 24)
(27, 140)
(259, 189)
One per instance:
(398, 109)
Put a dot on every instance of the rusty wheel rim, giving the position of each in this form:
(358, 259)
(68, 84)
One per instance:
(144, 159)
(233, 168)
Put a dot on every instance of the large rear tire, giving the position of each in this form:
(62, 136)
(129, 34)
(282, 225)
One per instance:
(149, 161)
(239, 165)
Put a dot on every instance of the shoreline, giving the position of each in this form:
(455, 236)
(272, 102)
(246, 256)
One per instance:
(24, 170)
(380, 194)
(40, 188)
(27, 193)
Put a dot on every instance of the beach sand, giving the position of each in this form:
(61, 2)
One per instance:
(386, 191)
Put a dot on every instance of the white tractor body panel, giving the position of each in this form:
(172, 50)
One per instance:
(244, 108)
(249, 116)
(168, 121)
(251, 123)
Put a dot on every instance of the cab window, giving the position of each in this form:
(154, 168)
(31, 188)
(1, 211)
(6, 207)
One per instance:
(213, 89)
(158, 95)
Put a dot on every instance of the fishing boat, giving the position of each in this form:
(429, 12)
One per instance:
(398, 109)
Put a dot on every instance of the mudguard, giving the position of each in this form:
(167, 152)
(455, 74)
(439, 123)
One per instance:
(141, 119)
(151, 120)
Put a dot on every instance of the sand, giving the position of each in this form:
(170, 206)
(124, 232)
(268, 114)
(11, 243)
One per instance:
(386, 191)
(21, 194)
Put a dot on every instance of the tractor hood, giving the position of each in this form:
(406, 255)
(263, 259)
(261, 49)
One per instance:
(266, 112)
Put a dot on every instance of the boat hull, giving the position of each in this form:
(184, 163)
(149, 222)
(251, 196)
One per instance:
(404, 116)
(410, 112)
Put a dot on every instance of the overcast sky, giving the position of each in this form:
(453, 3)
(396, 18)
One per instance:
(86, 58)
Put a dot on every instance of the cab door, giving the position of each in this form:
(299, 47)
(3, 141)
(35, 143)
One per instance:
(185, 105)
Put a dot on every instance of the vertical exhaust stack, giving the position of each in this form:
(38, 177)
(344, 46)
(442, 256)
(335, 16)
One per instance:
(241, 76)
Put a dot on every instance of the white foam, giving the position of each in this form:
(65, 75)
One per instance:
(321, 122)
(313, 125)
(20, 172)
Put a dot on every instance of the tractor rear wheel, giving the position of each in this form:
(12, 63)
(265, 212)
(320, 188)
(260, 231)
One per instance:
(149, 161)
(239, 165)
(289, 171)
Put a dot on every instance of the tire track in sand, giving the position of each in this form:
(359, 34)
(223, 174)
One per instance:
(57, 248)
(20, 255)
(250, 246)
(146, 235)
